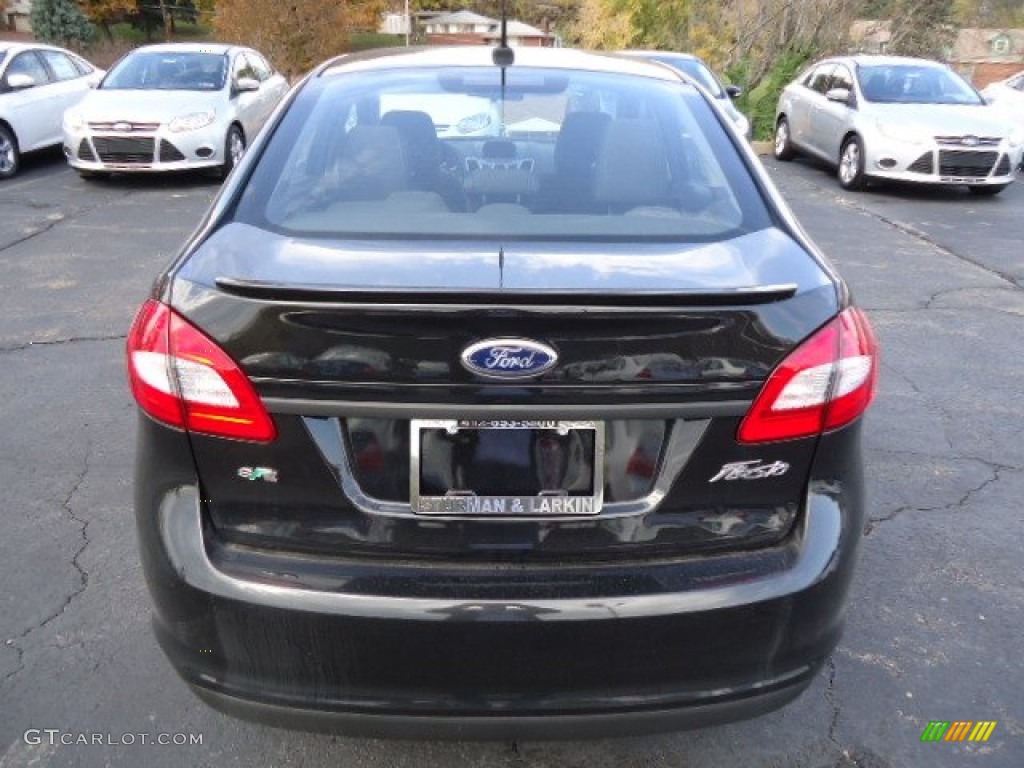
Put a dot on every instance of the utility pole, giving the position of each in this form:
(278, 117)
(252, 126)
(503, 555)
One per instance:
(408, 23)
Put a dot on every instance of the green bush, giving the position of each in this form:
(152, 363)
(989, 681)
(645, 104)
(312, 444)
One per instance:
(758, 100)
(61, 22)
(362, 41)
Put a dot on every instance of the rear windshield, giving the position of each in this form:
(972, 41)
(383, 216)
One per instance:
(914, 84)
(463, 153)
(168, 71)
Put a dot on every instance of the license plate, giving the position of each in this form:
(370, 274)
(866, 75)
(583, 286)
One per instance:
(506, 467)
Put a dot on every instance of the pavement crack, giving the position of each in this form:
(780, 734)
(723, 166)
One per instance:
(929, 401)
(83, 575)
(60, 217)
(996, 469)
(60, 342)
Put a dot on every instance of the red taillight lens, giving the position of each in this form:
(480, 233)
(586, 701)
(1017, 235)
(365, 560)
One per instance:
(826, 382)
(181, 377)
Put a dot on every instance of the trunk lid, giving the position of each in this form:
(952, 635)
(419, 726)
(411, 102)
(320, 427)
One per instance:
(664, 346)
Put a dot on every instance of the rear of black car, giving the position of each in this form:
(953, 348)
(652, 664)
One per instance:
(451, 459)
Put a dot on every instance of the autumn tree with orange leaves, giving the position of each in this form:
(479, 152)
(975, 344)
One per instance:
(295, 34)
(103, 13)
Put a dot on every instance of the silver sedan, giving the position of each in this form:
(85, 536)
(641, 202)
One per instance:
(895, 118)
(173, 107)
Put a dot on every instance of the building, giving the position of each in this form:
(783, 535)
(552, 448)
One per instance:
(870, 36)
(15, 15)
(987, 55)
(468, 28)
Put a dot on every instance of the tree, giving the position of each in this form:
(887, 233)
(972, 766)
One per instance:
(296, 34)
(103, 13)
(674, 25)
(922, 27)
(60, 22)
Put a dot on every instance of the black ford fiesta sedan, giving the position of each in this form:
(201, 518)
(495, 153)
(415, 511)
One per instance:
(498, 401)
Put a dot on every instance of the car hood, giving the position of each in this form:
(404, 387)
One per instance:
(144, 106)
(945, 119)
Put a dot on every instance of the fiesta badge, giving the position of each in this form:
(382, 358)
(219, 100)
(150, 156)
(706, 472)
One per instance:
(508, 358)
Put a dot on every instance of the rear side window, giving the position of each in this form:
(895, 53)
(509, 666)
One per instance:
(61, 65)
(456, 153)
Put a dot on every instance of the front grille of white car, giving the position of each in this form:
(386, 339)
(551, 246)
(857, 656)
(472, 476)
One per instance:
(968, 141)
(124, 150)
(962, 163)
(124, 126)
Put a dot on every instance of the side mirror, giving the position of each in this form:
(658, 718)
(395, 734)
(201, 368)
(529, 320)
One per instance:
(246, 85)
(19, 81)
(839, 95)
(734, 91)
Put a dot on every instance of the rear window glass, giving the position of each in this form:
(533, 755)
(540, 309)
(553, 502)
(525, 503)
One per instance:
(460, 153)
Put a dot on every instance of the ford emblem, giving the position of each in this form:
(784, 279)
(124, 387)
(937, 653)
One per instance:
(970, 141)
(123, 127)
(508, 358)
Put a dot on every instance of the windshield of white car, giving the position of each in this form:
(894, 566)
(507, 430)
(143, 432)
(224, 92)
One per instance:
(168, 71)
(546, 155)
(914, 84)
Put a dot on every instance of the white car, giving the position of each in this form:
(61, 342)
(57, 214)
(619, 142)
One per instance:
(1008, 96)
(37, 83)
(897, 119)
(173, 107)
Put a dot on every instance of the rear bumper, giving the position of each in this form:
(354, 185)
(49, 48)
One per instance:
(495, 727)
(538, 651)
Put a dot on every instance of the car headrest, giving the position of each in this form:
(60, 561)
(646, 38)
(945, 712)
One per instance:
(373, 162)
(632, 165)
(578, 141)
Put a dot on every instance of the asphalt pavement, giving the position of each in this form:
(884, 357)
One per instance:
(937, 607)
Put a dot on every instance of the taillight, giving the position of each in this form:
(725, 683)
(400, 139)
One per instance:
(826, 382)
(181, 377)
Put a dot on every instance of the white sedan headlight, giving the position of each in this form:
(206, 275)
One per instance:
(910, 134)
(191, 122)
(73, 120)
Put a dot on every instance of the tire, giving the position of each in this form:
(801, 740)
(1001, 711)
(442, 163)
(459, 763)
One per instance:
(10, 158)
(782, 147)
(851, 164)
(234, 148)
(988, 191)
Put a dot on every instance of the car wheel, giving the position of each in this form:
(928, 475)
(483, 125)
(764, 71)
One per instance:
(783, 148)
(987, 191)
(9, 158)
(851, 164)
(234, 148)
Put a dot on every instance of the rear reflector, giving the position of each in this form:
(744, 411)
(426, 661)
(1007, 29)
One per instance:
(181, 377)
(826, 382)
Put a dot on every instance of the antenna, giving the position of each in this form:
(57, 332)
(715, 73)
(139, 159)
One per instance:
(502, 55)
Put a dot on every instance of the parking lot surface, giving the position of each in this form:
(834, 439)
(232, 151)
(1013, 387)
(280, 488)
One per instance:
(937, 608)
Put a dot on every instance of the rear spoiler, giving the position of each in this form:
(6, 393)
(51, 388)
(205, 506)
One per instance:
(652, 301)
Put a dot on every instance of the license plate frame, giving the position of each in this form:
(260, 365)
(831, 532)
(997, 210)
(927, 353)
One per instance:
(546, 505)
